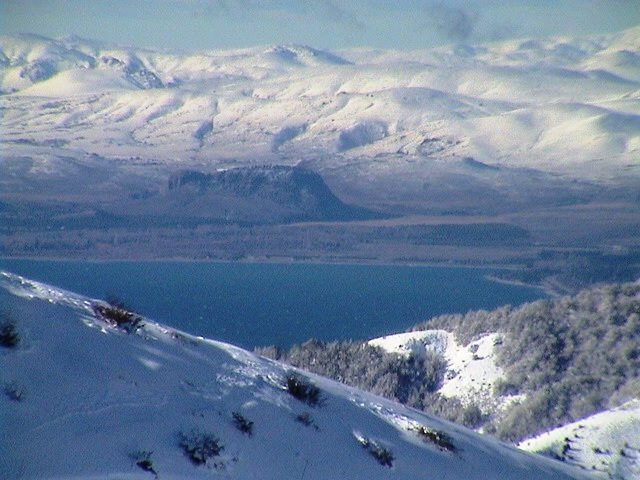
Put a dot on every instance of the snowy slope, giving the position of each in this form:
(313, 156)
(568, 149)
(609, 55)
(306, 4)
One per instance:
(608, 442)
(471, 370)
(567, 106)
(85, 399)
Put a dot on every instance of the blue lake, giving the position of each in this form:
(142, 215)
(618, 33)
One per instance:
(252, 304)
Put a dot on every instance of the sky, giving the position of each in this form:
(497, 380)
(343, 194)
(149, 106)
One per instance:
(401, 24)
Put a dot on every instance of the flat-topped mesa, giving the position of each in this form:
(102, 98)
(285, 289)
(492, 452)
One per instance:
(301, 192)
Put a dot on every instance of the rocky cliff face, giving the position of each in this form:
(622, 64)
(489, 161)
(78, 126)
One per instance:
(263, 194)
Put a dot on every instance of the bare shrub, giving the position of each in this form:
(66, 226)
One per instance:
(303, 390)
(9, 336)
(436, 437)
(144, 462)
(200, 447)
(383, 455)
(119, 316)
(15, 391)
(242, 424)
(307, 420)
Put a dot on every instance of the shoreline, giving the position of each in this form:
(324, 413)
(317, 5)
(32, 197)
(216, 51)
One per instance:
(404, 290)
(547, 291)
(276, 260)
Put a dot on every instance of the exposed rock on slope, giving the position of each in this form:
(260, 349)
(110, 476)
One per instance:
(260, 195)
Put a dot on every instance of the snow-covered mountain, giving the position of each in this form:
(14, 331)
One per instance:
(568, 106)
(92, 391)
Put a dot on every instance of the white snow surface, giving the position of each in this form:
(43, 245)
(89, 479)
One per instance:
(607, 443)
(568, 106)
(94, 397)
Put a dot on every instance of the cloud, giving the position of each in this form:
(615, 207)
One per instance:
(327, 10)
(338, 14)
(455, 23)
(222, 8)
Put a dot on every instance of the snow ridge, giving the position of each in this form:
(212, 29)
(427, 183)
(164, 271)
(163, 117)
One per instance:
(607, 443)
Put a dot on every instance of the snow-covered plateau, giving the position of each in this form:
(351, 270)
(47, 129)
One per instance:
(567, 107)
(91, 392)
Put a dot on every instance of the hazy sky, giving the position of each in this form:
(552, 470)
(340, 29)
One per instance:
(403, 24)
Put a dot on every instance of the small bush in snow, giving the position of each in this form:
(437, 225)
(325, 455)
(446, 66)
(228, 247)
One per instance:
(303, 390)
(9, 337)
(307, 420)
(200, 447)
(15, 391)
(144, 462)
(382, 454)
(436, 437)
(120, 317)
(472, 416)
(242, 424)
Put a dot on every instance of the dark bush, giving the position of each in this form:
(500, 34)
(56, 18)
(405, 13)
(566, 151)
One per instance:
(503, 388)
(144, 462)
(382, 454)
(307, 420)
(119, 317)
(242, 424)
(303, 390)
(436, 437)
(200, 447)
(472, 416)
(9, 336)
(15, 391)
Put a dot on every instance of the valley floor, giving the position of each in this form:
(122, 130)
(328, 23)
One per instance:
(562, 254)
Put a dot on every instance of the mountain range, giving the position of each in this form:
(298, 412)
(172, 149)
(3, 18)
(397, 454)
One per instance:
(385, 126)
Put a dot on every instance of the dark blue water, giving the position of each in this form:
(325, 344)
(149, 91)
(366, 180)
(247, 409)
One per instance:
(280, 304)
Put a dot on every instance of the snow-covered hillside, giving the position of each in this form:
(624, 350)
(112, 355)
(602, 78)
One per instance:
(607, 443)
(91, 392)
(559, 105)
(471, 370)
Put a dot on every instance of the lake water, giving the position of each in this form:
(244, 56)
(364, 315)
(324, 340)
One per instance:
(252, 304)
